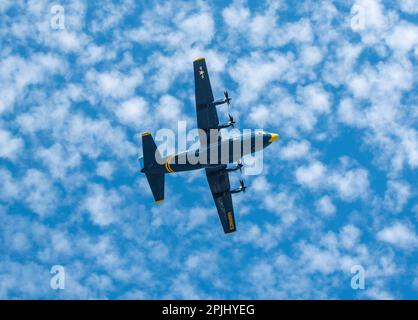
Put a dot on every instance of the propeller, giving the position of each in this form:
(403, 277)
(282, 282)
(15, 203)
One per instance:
(227, 98)
(240, 165)
(231, 120)
(243, 187)
(241, 181)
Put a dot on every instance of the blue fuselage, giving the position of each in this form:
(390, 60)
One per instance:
(213, 155)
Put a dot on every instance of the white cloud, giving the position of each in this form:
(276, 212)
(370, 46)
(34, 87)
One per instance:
(109, 15)
(311, 55)
(409, 6)
(374, 20)
(261, 185)
(351, 184)
(105, 169)
(403, 38)
(325, 206)
(203, 263)
(23, 279)
(312, 175)
(396, 195)
(9, 188)
(17, 73)
(102, 205)
(10, 146)
(94, 54)
(260, 27)
(260, 115)
(360, 86)
(350, 114)
(319, 260)
(264, 70)
(58, 160)
(236, 16)
(400, 235)
(133, 112)
(387, 121)
(375, 16)
(378, 294)
(299, 32)
(267, 236)
(5, 5)
(198, 218)
(197, 28)
(298, 115)
(74, 131)
(295, 150)
(284, 205)
(95, 137)
(169, 109)
(114, 83)
(349, 236)
(262, 276)
(39, 194)
(68, 41)
(315, 98)
(337, 69)
(178, 26)
(20, 242)
(177, 66)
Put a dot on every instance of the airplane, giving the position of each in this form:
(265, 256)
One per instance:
(154, 166)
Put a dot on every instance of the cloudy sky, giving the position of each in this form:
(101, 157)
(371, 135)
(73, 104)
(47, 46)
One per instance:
(336, 79)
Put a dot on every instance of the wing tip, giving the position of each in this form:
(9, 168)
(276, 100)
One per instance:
(159, 201)
(199, 59)
(146, 134)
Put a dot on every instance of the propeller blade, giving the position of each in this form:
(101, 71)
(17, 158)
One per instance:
(231, 120)
(227, 98)
(243, 187)
(240, 165)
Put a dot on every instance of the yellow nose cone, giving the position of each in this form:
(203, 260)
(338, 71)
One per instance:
(274, 136)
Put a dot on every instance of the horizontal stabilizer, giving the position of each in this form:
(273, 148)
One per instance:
(156, 182)
(151, 158)
(151, 155)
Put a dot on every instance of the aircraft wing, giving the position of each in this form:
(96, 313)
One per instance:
(207, 120)
(219, 186)
(207, 116)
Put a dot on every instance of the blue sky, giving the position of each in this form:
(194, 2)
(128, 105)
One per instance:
(336, 79)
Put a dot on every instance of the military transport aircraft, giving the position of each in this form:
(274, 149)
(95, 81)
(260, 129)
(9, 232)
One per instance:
(211, 154)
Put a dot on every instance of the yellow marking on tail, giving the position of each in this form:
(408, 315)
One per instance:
(231, 221)
(167, 165)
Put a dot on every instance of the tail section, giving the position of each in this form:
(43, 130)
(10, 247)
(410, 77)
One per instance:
(150, 159)
(151, 155)
(156, 182)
